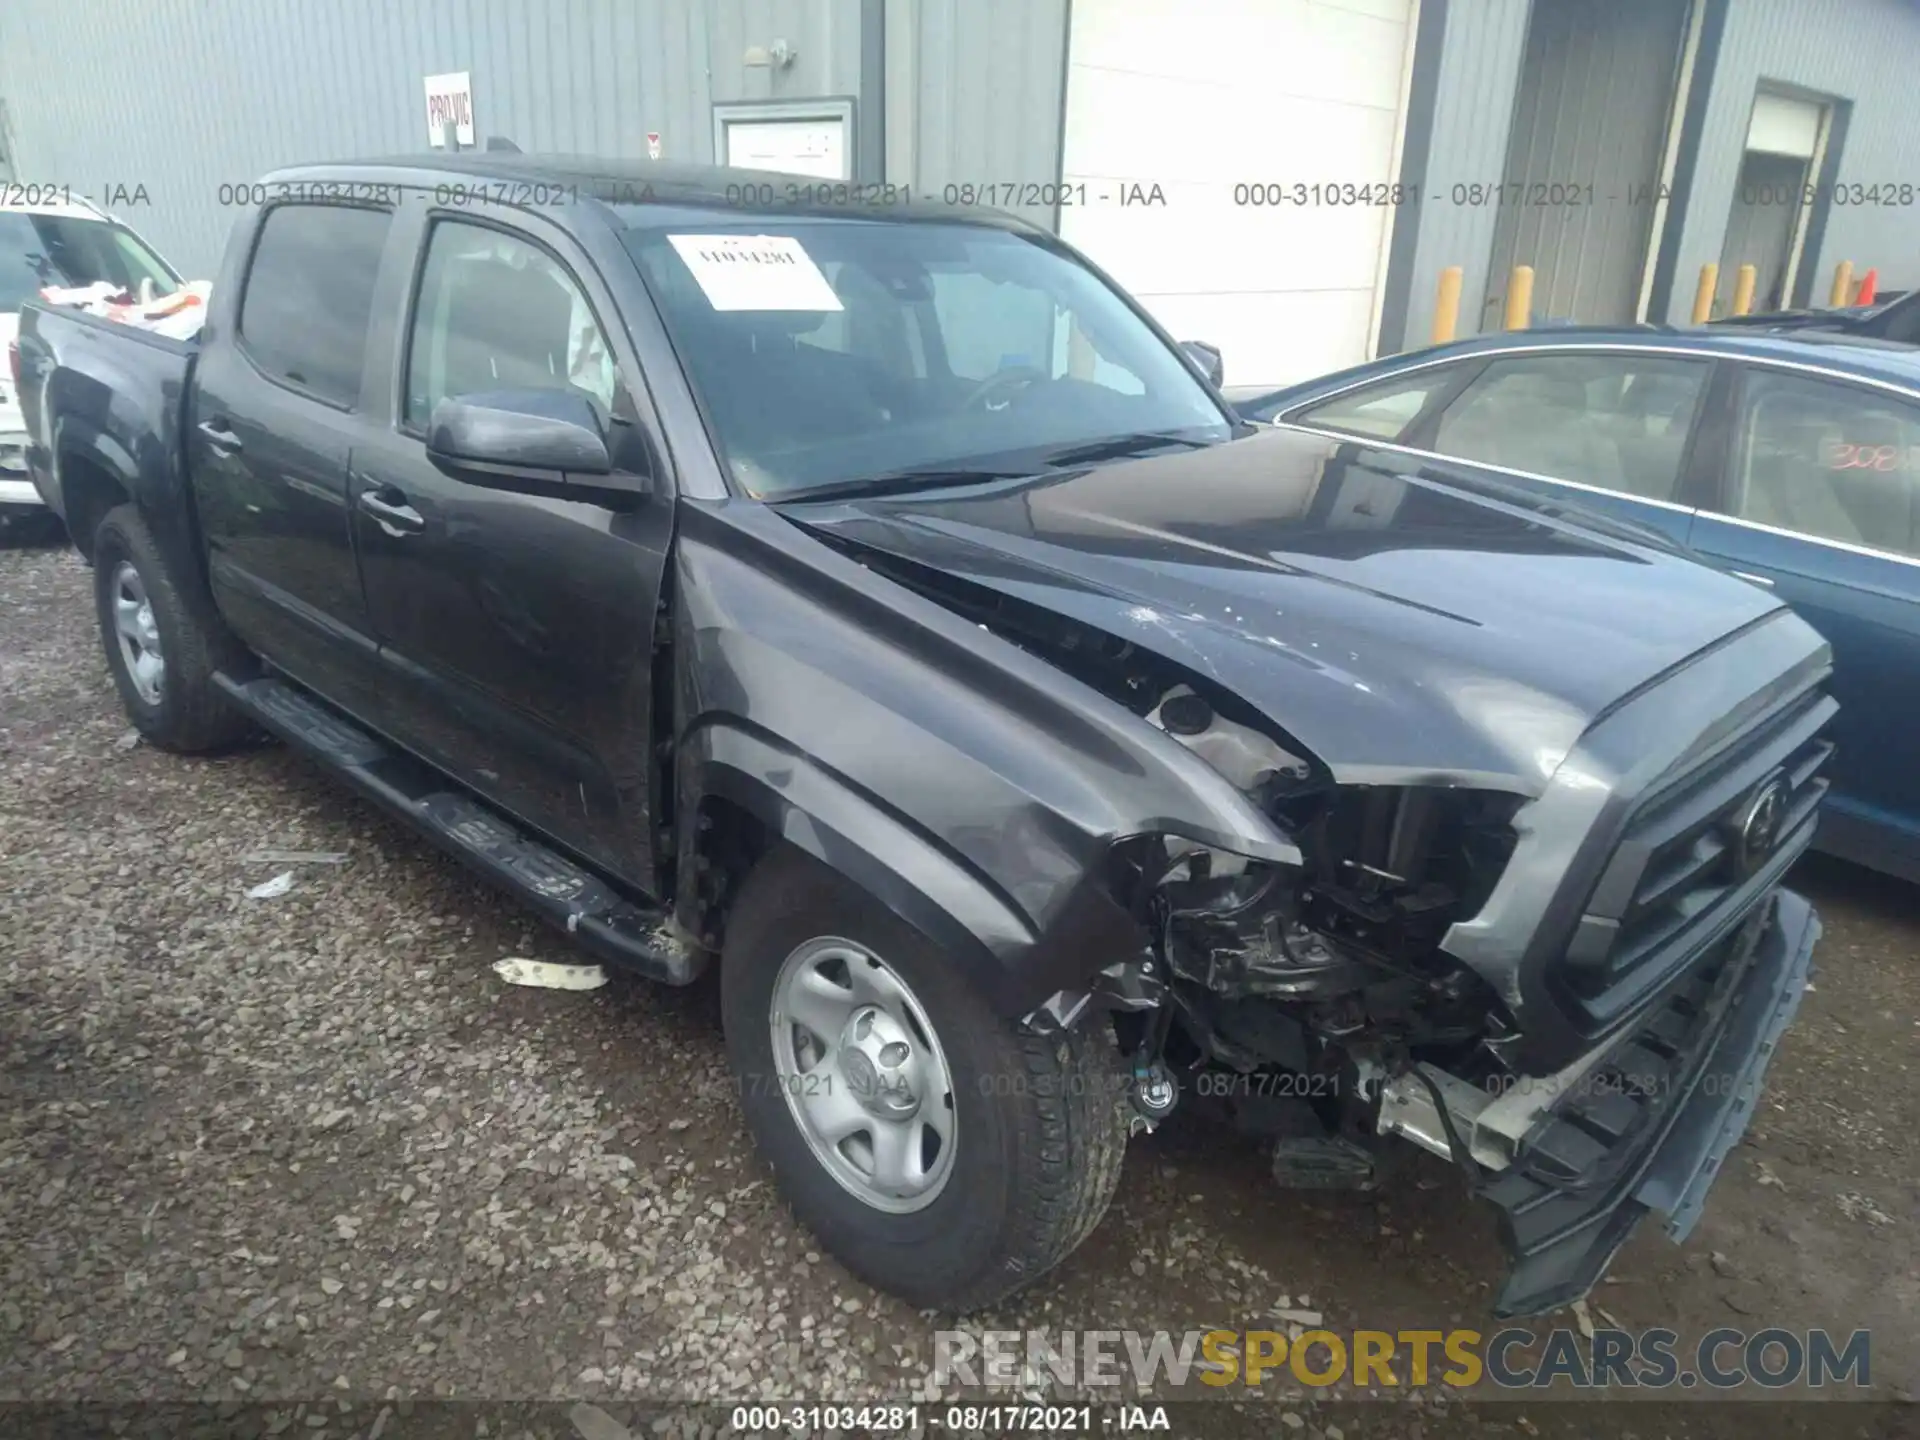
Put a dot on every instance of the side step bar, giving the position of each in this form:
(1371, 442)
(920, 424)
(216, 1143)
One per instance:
(616, 928)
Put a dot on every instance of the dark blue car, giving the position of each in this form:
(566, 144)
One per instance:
(1791, 459)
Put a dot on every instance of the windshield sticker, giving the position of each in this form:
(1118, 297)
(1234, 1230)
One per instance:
(755, 272)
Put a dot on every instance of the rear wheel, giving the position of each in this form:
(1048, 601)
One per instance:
(161, 649)
(939, 1151)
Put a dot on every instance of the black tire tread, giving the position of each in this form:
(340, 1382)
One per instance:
(1078, 1083)
(193, 716)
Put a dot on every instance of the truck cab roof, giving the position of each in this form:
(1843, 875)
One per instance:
(643, 182)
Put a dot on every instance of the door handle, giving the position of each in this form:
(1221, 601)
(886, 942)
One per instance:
(218, 436)
(1756, 579)
(396, 519)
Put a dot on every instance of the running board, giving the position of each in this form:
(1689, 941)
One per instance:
(602, 919)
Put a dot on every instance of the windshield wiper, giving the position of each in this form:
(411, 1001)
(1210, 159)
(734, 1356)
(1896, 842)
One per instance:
(1119, 447)
(896, 482)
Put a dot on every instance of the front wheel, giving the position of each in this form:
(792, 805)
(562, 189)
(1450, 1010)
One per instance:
(939, 1151)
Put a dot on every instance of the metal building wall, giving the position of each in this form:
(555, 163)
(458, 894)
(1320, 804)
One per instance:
(975, 92)
(1865, 51)
(182, 96)
(1593, 110)
(1478, 72)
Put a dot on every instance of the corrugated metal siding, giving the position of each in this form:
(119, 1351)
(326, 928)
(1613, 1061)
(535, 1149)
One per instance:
(974, 92)
(1593, 108)
(182, 96)
(1866, 51)
(1473, 113)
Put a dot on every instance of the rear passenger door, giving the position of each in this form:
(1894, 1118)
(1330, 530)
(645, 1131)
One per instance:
(1819, 499)
(276, 411)
(1604, 429)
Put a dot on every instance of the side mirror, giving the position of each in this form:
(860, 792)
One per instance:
(1206, 359)
(500, 435)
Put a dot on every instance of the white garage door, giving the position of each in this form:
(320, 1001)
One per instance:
(1200, 96)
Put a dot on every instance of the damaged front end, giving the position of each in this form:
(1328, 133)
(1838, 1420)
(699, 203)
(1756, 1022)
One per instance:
(1317, 1007)
(1295, 994)
(1569, 991)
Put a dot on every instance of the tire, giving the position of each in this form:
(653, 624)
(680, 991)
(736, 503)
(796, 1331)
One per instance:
(182, 710)
(1039, 1123)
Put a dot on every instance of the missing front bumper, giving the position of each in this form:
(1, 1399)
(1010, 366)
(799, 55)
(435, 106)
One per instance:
(1577, 1160)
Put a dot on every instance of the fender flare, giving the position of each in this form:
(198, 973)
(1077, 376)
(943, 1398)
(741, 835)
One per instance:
(82, 438)
(172, 525)
(908, 870)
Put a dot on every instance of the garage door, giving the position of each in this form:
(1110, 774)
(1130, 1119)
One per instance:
(1198, 97)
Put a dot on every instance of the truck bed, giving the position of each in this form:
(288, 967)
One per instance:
(105, 409)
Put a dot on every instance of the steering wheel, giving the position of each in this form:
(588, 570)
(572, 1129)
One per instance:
(1014, 377)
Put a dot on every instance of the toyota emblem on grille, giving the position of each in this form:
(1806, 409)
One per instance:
(1756, 824)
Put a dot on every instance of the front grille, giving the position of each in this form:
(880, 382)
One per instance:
(1696, 855)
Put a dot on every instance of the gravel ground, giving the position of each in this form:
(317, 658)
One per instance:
(310, 1148)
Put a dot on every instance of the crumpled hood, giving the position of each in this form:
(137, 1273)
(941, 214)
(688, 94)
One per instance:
(1397, 622)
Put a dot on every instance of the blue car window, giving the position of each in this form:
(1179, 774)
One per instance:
(1618, 422)
(1829, 460)
(1382, 411)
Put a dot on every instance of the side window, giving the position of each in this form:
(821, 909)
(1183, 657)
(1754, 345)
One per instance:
(1617, 422)
(1827, 460)
(495, 312)
(309, 292)
(1380, 411)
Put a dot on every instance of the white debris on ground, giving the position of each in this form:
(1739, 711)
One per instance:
(545, 975)
(272, 889)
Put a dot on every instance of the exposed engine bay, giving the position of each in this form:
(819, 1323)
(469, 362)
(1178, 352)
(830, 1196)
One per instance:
(1289, 996)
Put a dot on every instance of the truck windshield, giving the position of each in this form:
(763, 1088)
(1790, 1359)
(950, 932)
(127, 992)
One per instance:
(70, 250)
(830, 351)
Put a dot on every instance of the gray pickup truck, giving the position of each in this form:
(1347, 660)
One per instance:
(871, 602)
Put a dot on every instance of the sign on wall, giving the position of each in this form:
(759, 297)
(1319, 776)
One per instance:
(806, 137)
(450, 102)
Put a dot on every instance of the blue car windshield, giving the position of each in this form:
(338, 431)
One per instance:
(829, 350)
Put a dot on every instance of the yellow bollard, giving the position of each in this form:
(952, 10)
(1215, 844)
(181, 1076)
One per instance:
(1519, 297)
(1842, 285)
(1744, 279)
(1446, 306)
(1703, 297)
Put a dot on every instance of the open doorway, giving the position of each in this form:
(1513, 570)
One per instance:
(1772, 200)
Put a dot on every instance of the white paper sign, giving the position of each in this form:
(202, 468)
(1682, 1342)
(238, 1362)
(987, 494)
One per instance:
(755, 272)
(793, 147)
(450, 101)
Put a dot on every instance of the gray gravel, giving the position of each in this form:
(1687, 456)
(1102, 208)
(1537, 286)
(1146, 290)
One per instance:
(311, 1146)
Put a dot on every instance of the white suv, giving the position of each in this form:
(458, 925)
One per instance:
(60, 240)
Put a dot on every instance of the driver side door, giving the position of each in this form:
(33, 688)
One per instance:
(518, 629)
